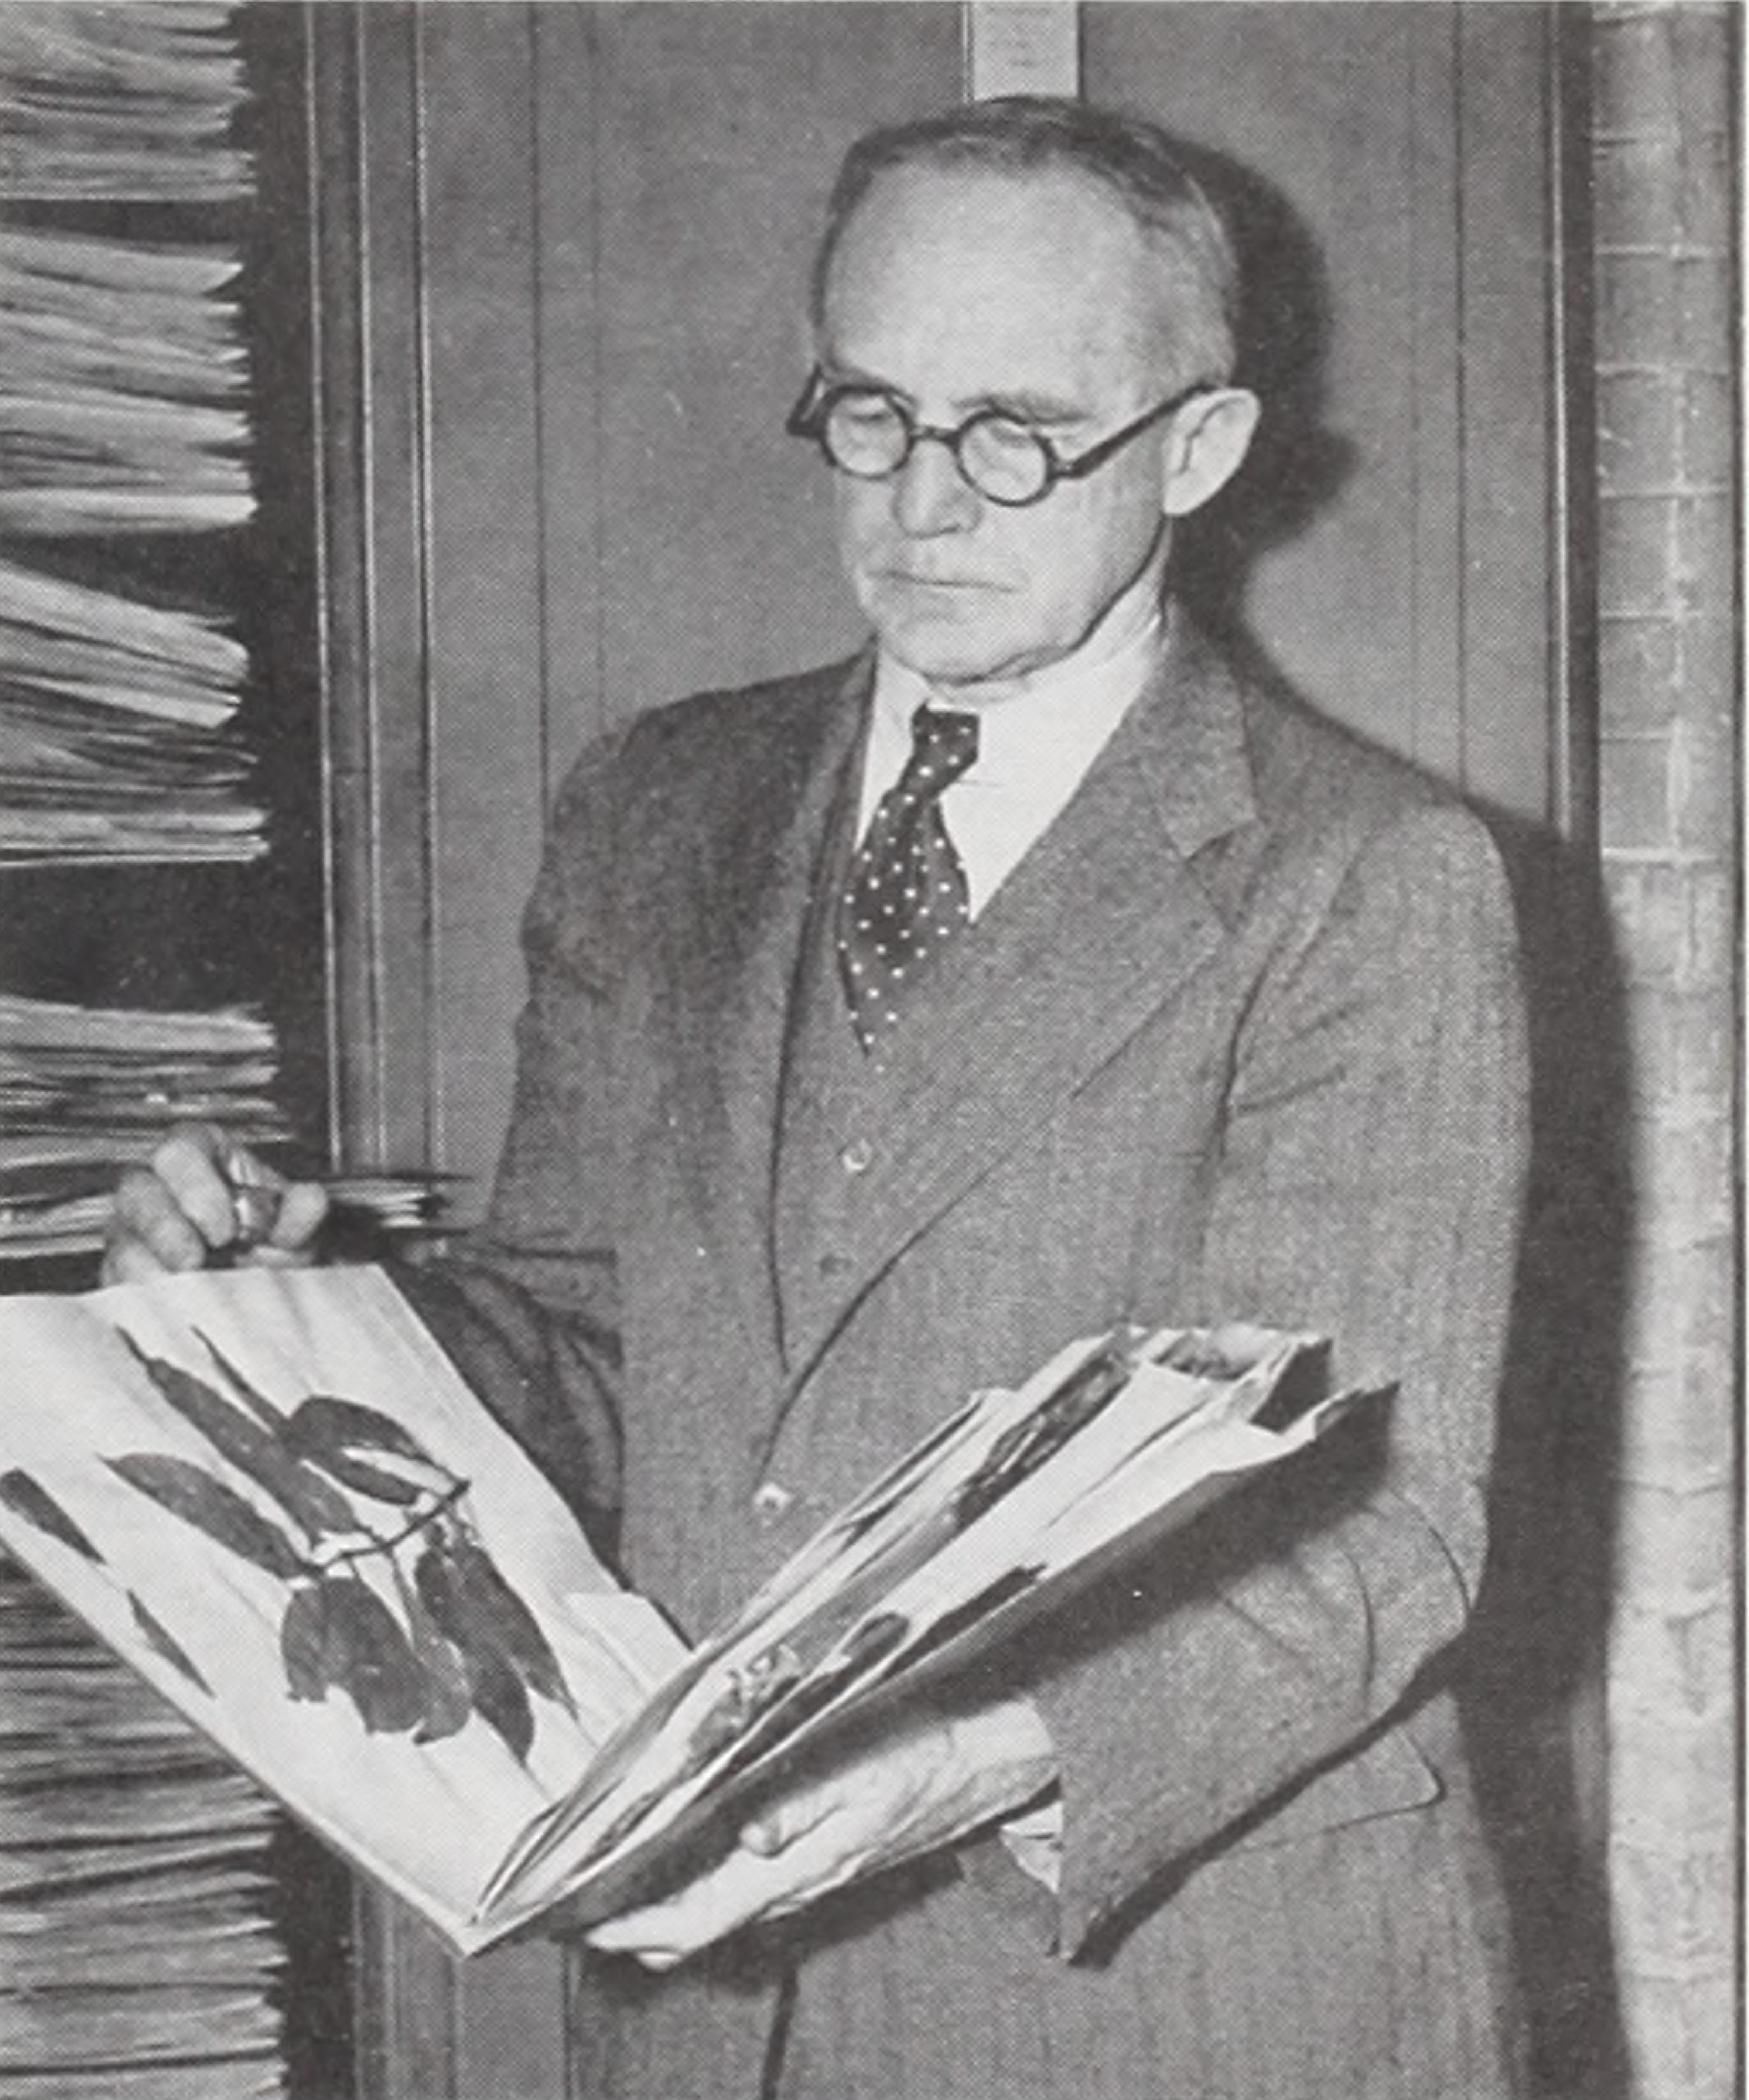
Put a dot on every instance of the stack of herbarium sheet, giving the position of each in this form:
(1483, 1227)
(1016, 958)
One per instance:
(137, 1957)
(84, 1090)
(115, 742)
(131, 101)
(123, 365)
(137, 1960)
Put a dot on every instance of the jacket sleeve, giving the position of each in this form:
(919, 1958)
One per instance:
(1368, 1187)
(528, 1305)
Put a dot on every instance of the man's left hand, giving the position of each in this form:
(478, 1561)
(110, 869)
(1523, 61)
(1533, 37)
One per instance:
(922, 1784)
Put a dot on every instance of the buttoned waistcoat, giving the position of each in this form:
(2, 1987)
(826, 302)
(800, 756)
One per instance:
(1240, 1037)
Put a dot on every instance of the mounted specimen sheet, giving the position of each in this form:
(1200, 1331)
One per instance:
(272, 1493)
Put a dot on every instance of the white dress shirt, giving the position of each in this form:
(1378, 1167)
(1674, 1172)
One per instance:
(1034, 743)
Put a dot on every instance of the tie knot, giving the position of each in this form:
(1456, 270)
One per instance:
(942, 746)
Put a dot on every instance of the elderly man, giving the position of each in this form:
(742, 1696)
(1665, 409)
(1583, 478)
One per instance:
(892, 1023)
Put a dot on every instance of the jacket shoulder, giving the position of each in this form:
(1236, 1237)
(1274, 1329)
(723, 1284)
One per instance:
(1330, 810)
(665, 787)
(1307, 767)
(1322, 787)
(708, 740)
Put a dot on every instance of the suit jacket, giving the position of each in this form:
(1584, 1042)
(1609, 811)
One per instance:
(1241, 1037)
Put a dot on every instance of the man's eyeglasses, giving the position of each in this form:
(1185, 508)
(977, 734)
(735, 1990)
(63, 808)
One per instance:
(868, 432)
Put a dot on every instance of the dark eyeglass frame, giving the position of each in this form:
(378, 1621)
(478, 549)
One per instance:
(812, 412)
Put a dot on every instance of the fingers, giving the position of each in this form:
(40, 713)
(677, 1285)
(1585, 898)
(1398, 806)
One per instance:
(925, 1783)
(147, 1235)
(192, 1164)
(744, 1887)
(660, 1935)
(796, 1848)
(780, 1823)
(202, 1195)
(166, 1216)
(302, 1206)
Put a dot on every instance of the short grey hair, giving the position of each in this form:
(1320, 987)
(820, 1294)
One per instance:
(1132, 160)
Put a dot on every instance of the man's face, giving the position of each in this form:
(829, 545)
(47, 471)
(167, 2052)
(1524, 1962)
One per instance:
(961, 290)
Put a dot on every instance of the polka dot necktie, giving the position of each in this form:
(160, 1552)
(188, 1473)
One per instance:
(907, 898)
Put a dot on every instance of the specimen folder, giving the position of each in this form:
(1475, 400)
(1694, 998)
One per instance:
(272, 1493)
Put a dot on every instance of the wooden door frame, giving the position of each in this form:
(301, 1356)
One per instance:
(1573, 685)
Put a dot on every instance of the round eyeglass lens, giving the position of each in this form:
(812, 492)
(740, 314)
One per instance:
(1004, 459)
(865, 434)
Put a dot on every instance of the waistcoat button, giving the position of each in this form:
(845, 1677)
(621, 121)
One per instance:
(857, 1157)
(771, 1499)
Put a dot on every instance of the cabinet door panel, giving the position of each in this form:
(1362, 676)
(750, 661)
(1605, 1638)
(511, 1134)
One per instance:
(1407, 144)
(563, 251)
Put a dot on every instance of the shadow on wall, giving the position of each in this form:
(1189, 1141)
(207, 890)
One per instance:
(1532, 1672)
(1297, 465)
(1535, 1664)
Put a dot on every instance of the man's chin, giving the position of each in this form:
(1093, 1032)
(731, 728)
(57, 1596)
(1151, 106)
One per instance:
(949, 658)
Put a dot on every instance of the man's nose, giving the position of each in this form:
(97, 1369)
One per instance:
(930, 495)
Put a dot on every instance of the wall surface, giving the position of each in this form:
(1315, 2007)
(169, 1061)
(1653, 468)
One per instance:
(1386, 168)
(1665, 157)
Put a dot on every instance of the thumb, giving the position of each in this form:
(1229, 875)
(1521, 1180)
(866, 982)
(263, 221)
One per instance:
(776, 1827)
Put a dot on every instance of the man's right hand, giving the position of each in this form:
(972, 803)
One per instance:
(204, 1196)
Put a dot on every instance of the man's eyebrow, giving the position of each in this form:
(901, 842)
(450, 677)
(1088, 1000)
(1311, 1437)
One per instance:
(1035, 408)
(1024, 404)
(833, 372)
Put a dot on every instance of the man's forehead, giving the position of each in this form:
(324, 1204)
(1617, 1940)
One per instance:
(927, 205)
(950, 257)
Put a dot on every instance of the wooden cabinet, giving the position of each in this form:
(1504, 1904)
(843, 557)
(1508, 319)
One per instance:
(159, 865)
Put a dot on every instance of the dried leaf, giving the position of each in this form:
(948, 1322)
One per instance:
(476, 1609)
(265, 1412)
(349, 1441)
(253, 1450)
(500, 1698)
(304, 1643)
(491, 1603)
(449, 1696)
(367, 1655)
(167, 1646)
(1024, 1447)
(496, 1687)
(440, 1592)
(324, 1423)
(36, 1505)
(364, 1478)
(206, 1503)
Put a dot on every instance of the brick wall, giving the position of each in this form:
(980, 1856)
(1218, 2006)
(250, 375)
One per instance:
(1663, 165)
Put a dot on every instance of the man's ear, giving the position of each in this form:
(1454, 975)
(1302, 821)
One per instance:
(1207, 440)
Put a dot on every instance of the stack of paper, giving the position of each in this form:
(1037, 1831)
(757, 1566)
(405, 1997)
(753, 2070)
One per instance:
(132, 101)
(84, 1090)
(115, 729)
(138, 1956)
(122, 364)
(139, 1961)
(152, 319)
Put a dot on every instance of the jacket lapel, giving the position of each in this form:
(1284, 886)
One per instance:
(733, 986)
(1101, 924)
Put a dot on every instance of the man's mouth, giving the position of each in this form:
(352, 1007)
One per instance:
(916, 579)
